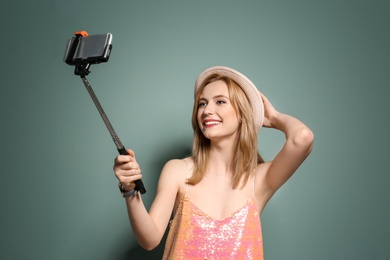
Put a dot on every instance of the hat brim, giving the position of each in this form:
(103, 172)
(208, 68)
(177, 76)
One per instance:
(246, 85)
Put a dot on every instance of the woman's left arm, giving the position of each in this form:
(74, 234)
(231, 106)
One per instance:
(298, 145)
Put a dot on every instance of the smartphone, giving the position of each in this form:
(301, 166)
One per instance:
(91, 49)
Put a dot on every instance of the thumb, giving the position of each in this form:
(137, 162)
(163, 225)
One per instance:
(130, 152)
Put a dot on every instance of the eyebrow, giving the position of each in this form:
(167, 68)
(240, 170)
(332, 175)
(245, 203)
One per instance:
(215, 97)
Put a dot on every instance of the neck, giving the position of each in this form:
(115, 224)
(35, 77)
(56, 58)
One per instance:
(221, 157)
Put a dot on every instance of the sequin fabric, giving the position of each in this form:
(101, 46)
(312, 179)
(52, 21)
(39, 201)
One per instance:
(195, 235)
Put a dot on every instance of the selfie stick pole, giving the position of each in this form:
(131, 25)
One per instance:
(121, 149)
(82, 69)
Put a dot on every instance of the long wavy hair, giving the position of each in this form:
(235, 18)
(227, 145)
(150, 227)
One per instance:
(246, 157)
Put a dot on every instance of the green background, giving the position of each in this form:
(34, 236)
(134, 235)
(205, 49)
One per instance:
(325, 62)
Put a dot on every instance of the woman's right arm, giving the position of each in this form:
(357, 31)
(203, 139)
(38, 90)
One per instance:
(149, 227)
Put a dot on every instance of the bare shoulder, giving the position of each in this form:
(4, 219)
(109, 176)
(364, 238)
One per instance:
(176, 166)
(175, 171)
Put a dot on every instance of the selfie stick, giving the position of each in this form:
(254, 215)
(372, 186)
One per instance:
(82, 69)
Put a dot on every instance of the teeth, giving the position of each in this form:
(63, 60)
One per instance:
(212, 123)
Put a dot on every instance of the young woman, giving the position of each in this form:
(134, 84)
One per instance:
(217, 194)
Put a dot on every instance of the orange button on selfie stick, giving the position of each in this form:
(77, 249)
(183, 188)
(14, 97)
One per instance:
(81, 33)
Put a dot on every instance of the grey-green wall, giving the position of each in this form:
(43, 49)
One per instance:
(325, 62)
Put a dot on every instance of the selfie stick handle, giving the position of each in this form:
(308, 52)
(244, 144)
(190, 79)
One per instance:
(121, 149)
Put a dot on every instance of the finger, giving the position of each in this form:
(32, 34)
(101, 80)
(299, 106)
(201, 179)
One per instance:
(130, 152)
(129, 181)
(123, 159)
(129, 166)
(129, 173)
(124, 175)
(135, 172)
(133, 165)
(265, 101)
(129, 176)
(126, 158)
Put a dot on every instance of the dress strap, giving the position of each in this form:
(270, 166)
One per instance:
(186, 175)
(253, 186)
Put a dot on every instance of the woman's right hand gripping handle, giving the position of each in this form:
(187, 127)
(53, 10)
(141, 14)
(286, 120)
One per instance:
(127, 170)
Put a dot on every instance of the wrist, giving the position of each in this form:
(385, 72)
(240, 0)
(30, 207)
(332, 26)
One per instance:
(127, 192)
(278, 121)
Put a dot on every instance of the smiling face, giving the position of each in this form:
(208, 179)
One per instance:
(216, 116)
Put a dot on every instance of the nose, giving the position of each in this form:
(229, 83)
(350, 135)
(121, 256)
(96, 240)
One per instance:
(209, 109)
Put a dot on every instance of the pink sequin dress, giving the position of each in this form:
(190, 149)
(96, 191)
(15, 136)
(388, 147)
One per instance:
(195, 235)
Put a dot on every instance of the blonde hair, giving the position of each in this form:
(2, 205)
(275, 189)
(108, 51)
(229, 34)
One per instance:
(246, 156)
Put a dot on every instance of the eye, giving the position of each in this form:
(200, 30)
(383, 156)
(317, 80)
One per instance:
(202, 104)
(220, 102)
